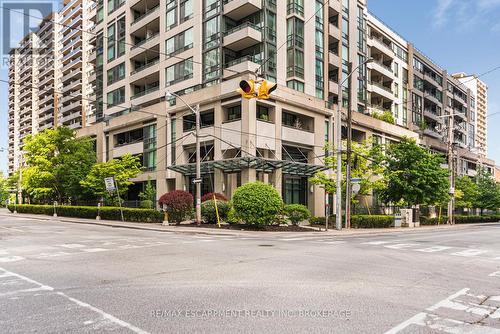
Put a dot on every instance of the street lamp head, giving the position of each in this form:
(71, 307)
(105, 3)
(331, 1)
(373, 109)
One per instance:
(369, 60)
(168, 93)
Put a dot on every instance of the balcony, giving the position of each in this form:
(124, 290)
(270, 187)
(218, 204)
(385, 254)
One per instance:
(333, 87)
(241, 65)
(242, 36)
(431, 97)
(238, 9)
(334, 31)
(267, 130)
(74, 85)
(432, 115)
(147, 43)
(133, 148)
(379, 44)
(147, 13)
(334, 59)
(380, 89)
(297, 135)
(431, 132)
(231, 133)
(381, 68)
(71, 106)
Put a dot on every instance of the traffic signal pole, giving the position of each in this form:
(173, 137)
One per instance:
(198, 165)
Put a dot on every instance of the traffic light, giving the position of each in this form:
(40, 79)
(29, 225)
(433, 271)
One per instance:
(261, 89)
(265, 90)
(247, 89)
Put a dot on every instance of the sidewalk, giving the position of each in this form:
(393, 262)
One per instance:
(209, 231)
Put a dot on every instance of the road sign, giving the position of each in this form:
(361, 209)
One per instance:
(195, 181)
(110, 183)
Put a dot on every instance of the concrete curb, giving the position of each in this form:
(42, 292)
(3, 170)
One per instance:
(207, 231)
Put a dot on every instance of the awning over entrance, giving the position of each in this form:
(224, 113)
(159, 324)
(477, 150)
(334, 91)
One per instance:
(260, 164)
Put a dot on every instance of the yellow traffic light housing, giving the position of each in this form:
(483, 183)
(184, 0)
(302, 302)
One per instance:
(247, 89)
(265, 89)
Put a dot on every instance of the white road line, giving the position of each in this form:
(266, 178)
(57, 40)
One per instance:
(401, 246)
(94, 250)
(375, 243)
(12, 229)
(469, 252)
(72, 246)
(495, 274)
(81, 304)
(3, 252)
(11, 259)
(415, 320)
(433, 249)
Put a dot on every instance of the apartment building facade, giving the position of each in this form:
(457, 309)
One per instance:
(140, 50)
(49, 77)
(480, 91)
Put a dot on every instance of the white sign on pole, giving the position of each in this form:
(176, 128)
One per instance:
(110, 183)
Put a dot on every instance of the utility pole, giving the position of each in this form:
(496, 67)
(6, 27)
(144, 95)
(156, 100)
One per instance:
(338, 152)
(451, 167)
(198, 165)
(348, 186)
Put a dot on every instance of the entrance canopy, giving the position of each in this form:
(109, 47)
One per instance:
(260, 164)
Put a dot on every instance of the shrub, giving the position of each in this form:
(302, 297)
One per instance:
(375, 221)
(147, 204)
(90, 212)
(296, 213)
(232, 217)
(178, 204)
(210, 196)
(257, 203)
(460, 219)
(210, 215)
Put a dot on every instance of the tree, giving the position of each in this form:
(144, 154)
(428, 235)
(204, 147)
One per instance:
(56, 162)
(414, 176)
(466, 192)
(489, 192)
(148, 196)
(122, 169)
(366, 164)
(4, 188)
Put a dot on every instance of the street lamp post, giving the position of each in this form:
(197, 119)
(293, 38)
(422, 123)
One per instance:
(196, 112)
(338, 148)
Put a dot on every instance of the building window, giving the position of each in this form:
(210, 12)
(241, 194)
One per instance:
(206, 120)
(171, 18)
(117, 73)
(116, 97)
(179, 72)
(149, 156)
(234, 113)
(129, 137)
(263, 113)
(186, 10)
(295, 84)
(180, 42)
(295, 43)
(114, 5)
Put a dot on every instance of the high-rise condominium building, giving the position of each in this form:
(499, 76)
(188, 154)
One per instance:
(200, 50)
(49, 77)
(480, 91)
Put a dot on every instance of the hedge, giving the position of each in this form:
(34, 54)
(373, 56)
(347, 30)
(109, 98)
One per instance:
(90, 212)
(359, 221)
(460, 219)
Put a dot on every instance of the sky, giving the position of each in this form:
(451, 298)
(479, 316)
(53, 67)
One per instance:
(459, 35)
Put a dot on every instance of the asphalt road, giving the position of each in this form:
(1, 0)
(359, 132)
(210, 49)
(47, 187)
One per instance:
(72, 278)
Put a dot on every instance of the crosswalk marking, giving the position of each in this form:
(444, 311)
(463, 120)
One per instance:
(495, 274)
(375, 243)
(432, 319)
(11, 259)
(94, 250)
(72, 246)
(433, 249)
(401, 246)
(470, 252)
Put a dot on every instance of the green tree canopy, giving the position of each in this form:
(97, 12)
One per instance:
(414, 175)
(122, 169)
(56, 163)
(466, 192)
(366, 164)
(489, 192)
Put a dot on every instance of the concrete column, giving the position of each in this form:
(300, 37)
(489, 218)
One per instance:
(248, 138)
(161, 155)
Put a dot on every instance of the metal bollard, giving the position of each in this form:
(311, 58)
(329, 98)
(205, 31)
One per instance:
(98, 211)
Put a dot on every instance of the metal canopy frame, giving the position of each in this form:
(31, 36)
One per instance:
(235, 165)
